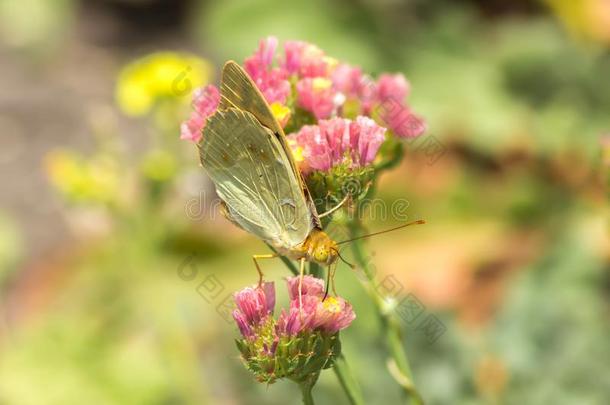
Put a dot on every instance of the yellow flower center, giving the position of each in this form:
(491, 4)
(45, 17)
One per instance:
(280, 112)
(321, 83)
(297, 150)
(331, 304)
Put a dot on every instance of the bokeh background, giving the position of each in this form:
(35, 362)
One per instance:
(114, 272)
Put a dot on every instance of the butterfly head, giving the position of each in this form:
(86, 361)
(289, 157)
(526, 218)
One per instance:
(321, 248)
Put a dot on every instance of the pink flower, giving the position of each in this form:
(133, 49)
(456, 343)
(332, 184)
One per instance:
(400, 119)
(347, 79)
(396, 115)
(353, 84)
(367, 93)
(370, 136)
(305, 60)
(261, 61)
(291, 322)
(254, 305)
(310, 312)
(339, 140)
(242, 323)
(205, 102)
(332, 315)
(270, 80)
(317, 96)
(310, 286)
(274, 86)
(313, 313)
(394, 87)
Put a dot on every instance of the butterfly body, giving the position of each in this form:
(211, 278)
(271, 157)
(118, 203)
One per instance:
(318, 247)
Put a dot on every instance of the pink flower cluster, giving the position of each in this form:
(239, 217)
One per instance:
(205, 103)
(338, 140)
(305, 78)
(323, 85)
(310, 313)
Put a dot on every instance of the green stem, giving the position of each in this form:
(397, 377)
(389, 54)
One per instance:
(396, 154)
(398, 363)
(348, 382)
(315, 270)
(306, 387)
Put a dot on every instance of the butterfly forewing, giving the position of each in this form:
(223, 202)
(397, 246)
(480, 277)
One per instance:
(237, 90)
(254, 177)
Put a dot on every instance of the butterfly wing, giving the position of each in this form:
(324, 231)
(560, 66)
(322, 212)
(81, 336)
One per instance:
(237, 90)
(254, 177)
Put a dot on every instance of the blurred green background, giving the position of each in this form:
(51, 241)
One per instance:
(114, 270)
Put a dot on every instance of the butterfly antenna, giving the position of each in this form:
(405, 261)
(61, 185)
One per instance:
(418, 222)
(352, 266)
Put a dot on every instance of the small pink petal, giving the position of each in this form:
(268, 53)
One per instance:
(319, 101)
(205, 102)
(309, 286)
(394, 87)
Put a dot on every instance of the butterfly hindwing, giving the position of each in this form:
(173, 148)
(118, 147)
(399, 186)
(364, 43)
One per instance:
(254, 177)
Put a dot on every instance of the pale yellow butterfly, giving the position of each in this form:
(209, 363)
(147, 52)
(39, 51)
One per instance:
(244, 151)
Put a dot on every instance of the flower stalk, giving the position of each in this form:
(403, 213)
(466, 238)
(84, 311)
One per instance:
(348, 381)
(306, 388)
(398, 364)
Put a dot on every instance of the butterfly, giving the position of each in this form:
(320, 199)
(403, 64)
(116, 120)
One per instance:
(245, 153)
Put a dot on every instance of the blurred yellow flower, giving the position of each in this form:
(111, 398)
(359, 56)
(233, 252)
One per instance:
(80, 180)
(585, 18)
(160, 76)
(159, 165)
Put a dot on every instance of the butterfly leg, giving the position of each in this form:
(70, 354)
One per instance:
(335, 208)
(258, 268)
(302, 273)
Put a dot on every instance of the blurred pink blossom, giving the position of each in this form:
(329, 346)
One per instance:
(392, 86)
(270, 80)
(305, 60)
(347, 79)
(205, 102)
(401, 120)
(321, 87)
(392, 90)
(316, 96)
